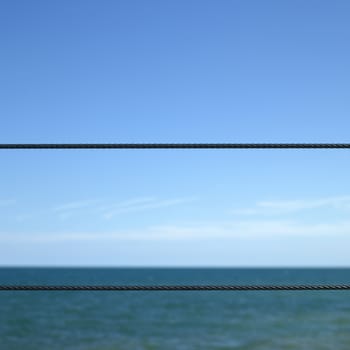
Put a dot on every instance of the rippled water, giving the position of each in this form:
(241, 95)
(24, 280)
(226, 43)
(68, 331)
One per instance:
(174, 320)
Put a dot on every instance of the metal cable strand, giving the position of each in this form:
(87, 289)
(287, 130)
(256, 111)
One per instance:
(171, 145)
(174, 287)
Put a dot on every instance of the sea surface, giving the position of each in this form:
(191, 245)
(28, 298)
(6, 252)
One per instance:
(174, 320)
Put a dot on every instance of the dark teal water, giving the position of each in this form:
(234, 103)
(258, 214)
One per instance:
(174, 320)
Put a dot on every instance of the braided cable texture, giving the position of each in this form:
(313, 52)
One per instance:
(172, 145)
(173, 287)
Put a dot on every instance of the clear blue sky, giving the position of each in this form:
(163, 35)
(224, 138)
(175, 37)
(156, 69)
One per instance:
(175, 71)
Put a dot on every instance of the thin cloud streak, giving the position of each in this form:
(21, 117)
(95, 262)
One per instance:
(108, 210)
(67, 210)
(231, 229)
(146, 204)
(291, 206)
(76, 205)
(199, 231)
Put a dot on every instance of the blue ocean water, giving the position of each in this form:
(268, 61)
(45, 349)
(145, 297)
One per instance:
(174, 320)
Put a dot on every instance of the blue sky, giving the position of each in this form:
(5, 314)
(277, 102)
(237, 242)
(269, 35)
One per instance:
(175, 71)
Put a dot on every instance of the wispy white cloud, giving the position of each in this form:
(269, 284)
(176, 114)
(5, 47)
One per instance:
(195, 231)
(107, 209)
(249, 229)
(241, 227)
(75, 205)
(141, 204)
(67, 210)
(289, 206)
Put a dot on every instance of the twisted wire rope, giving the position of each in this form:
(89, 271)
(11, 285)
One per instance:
(173, 145)
(174, 287)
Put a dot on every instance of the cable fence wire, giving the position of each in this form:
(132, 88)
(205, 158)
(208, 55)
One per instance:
(174, 287)
(174, 145)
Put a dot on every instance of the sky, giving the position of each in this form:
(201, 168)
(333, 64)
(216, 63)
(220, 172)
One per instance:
(174, 71)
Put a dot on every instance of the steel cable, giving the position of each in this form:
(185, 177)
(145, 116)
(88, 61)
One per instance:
(174, 145)
(174, 287)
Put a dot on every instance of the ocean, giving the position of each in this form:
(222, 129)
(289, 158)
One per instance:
(174, 320)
